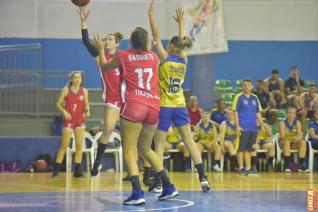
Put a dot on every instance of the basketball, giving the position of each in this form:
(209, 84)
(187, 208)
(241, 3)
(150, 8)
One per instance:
(80, 3)
(40, 165)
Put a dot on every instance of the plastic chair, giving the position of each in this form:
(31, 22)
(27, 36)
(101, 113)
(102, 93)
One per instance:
(312, 153)
(228, 98)
(238, 85)
(223, 85)
(88, 149)
(118, 152)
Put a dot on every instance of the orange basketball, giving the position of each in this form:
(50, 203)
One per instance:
(80, 3)
(40, 165)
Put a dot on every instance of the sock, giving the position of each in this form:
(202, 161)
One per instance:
(57, 167)
(187, 163)
(286, 160)
(233, 159)
(135, 183)
(254, 161)
(200, 170)
(147, 171)
(301, 162)
(100, 151)
(270, 161)
(162, 175)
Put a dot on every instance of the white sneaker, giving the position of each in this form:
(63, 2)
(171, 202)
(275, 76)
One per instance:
(217, 168)
(287, 170)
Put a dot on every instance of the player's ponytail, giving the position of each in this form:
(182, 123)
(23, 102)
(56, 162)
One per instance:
(180, 44)
(118, 36)
(139, 39)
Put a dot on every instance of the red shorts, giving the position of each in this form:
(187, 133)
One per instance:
(113, 103)
(140, 113)
(71, 125)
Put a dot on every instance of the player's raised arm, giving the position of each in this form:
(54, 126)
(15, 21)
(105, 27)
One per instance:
(155, 33)
(104, 64)
(179, 18)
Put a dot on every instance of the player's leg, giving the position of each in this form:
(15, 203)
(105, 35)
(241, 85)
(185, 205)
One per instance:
(216, 149)
(65, 142)
(79, 140)
(186, 156)
(301, 146)
(229, 147)
(111, 117)
(285, 146)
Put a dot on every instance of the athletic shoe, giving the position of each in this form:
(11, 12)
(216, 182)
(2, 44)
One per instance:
(287, 170)
(147, 179)
(55, 173)
(155, 188)
(96, 169)
(168, 193)
(252, 172)
(56, 169)
(205, 184)
(217, 168)
(136, 198)
(78, 172)
(166, 155)
(302, 170)
(243, 172)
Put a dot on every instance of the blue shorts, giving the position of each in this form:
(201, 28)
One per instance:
(178, 116)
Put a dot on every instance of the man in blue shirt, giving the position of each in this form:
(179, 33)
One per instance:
(247, 109)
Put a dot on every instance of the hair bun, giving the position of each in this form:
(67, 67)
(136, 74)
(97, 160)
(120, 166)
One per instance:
(119, 36)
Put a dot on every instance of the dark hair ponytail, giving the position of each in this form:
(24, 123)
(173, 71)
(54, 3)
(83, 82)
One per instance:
(139, 39)
(118, 36)
(181, 44)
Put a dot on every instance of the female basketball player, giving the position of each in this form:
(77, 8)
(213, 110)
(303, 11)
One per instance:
(228, 136)
(73, 103)
(110, 86)
(207, 138)
(140, 111)
(173, 108)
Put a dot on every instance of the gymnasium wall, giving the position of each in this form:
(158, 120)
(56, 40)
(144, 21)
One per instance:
(263, 34)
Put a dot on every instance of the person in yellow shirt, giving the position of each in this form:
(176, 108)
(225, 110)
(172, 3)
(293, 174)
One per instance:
(206, 137)
(264, 141)
(174, 142)
(291, 137)
(228, 136)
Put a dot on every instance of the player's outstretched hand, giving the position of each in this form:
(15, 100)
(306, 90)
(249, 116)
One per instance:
(179, 16)
(83, 13)
(98, 42)
(151, 7)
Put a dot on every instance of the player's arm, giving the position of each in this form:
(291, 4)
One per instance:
(60, 104)
(222, 132)
(179, 18)
(87, 108)
(299, 131)
(282, 130)
(155, 33)
(104, 64)
(91, 48)
(215, 134)
(312, 133)
(302, 101)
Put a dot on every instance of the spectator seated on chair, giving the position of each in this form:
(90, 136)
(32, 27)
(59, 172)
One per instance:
(228, 137)
(294, 86)
(174, 142)
(264, 141)
(263, 97)
(275, 88)
(194, 112)
(272, 121)
(313, 131)
(291, 137)
(206, 138)
(308, 104)
(218, 115)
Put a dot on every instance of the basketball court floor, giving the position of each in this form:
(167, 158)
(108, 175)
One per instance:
(267, 192)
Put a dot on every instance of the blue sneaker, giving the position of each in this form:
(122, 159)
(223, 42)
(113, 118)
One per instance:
(136, 198)
(168, 193)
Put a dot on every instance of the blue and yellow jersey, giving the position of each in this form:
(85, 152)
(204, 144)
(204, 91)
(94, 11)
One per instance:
(230, 132)
(205, 133)
(290, 130)
(247, 108)
(263, 137)
(173, 136)
(314, 126)
(172, 72)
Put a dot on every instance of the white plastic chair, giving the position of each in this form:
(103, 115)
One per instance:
(118, 152)
(279, 150)
(90, 152)
(312, 153)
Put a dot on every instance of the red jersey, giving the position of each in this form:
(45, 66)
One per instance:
(140, 77)
(75, 105)
(195, 116)
(111, 82)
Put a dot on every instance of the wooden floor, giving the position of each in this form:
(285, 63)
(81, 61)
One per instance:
(110, 181)
(230, 192)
